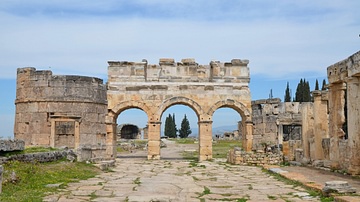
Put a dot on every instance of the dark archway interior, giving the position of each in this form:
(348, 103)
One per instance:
(129, 131)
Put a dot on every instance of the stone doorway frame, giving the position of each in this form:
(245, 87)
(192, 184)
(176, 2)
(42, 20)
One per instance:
(64, 118)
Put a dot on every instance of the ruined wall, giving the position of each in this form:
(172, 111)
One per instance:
(275, 122)
(204, 88)
(344, 114)
(59, 110)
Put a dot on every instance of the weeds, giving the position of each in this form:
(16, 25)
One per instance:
(27, 181)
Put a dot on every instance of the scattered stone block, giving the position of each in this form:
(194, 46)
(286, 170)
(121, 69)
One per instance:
(340, 187)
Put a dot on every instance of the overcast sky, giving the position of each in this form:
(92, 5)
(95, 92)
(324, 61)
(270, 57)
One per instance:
(285, 40)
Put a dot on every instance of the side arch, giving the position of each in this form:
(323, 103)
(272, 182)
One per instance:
(244, 112)
(129, 105)
(179, 100)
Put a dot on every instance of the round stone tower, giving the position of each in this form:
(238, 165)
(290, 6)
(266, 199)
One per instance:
(60, 110)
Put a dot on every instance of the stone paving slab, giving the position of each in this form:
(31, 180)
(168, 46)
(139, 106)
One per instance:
(179, 180)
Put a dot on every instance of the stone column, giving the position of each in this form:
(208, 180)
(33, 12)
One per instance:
(336, 120)
(353, 122)
(154, 140)
(205, 140)
(307, 129)
(77, 134)
(52, 133)
(321, 123)
(248, 137)
(110, 137)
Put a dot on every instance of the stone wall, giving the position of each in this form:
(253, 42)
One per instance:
(40, 157)
(275, 121)
(240, 157)
(11, 145)
(59, 110)
(344, 114)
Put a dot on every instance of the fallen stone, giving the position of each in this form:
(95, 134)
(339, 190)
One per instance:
(340, 187)
(53, 185)
(277, 170)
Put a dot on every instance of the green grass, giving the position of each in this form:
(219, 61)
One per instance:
(31, 178)
(312, 192)
(185, 140)
(222, 147)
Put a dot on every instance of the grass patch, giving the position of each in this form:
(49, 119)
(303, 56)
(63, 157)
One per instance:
(29, 181)
(185, 140)
(137, 181)
(190, 155)
(272, 197)
(222, 147)
(295, 183)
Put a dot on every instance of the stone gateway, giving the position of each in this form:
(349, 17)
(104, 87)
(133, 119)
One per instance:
(81, 112)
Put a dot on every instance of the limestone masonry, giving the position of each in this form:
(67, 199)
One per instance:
(154, 88)
(81, 112)
(56, 110)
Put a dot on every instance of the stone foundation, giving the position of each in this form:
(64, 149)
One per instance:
(40, 157)
(239, 157)
(11, 145)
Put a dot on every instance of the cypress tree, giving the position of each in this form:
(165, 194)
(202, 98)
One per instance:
(323, 85)
(167, 131)
(316, 85)
(299, 91)
(287, 97)
(185, 130)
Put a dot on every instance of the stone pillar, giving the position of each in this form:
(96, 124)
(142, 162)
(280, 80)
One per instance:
(110, 137)
(205, 140)
(321, 123)
(353, 122)
(248, 137)
(307, 130)
(77, 134)
(154, 140)
(336, 120)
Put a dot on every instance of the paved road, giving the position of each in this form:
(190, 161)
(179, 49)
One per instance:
(173, 179)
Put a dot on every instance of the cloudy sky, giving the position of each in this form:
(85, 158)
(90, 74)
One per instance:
(285, 40)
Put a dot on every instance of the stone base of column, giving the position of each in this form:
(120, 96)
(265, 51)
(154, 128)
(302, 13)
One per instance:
(205, 152)
(153, 150)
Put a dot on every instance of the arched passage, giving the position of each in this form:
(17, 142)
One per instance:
(111, 124)
(246, 121)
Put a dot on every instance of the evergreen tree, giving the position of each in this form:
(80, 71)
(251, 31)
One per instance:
(170, 127)
(316, 85)
(287, 97)
(185, 130)
(299, 91)
(323, 85)
(307, 93)
(303, 92)
(167, 131)
(173, 125)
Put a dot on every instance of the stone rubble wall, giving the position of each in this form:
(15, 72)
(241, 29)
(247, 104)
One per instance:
(269, 116)
(239, 157)
(11, 145)
(40, 157)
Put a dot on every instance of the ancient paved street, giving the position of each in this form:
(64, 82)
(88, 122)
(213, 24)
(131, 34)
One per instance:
(137, 179)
